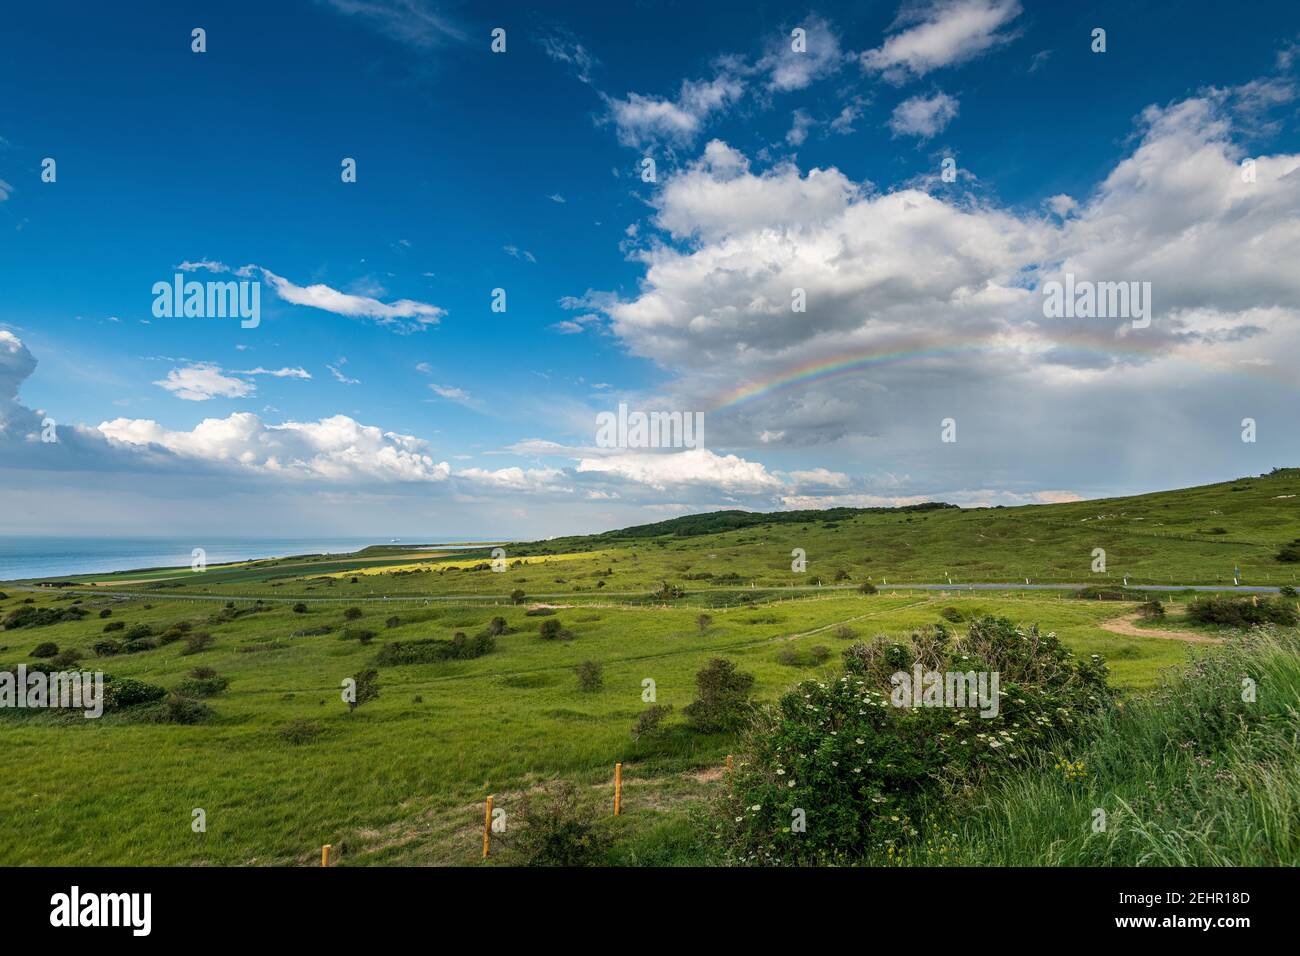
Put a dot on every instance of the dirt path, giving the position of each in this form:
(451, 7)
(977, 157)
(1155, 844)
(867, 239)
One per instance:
(1124, 625)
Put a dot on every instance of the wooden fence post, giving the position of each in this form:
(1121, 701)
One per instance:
(325, 854)
(487, 826)
(618, 789)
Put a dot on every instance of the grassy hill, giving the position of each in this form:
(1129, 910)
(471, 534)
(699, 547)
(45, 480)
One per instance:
(281, 765)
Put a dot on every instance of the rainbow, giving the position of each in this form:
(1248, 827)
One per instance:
(852, 363)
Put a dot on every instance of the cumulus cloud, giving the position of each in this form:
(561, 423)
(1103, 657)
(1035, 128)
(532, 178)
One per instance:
(939, 297)
(697, 466)
(923, 116)
(202, 381)
(644, 120)
(940, 34)
(337, 448)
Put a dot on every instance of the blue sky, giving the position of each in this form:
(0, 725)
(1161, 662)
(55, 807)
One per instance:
(521, 170)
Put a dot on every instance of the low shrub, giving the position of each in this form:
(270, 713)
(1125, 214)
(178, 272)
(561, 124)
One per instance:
(202, 686)
(854, 760)
(45, 649)
(721, 699)
(551, 828)
(300, 731)
(1151, 610)
(107, 648)
(114, 626)
(431, 650)
(29, 616)
(591, 676)
(197, 642)
(1228, 611)
(649, 722)
(122, 692)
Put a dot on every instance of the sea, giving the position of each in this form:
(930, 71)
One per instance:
(33, 556)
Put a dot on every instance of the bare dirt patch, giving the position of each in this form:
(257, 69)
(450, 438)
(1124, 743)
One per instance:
(1126, 625)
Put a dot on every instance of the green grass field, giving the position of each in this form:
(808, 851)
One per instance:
(402, 779)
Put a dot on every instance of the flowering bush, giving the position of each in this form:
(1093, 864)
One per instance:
(835, 770)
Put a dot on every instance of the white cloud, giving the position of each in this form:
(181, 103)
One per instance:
(697, 466)
(942, 34)
(404, 315)
(336, 449)
(286, 372)
(923, 116)
(521, 254)
(453, 394)
(202, 381)
(516, 479)
(819, 477)
(644, 120)
(413, 22)
(340, 377)
(5, 190)
(788, 71)
(801, 122)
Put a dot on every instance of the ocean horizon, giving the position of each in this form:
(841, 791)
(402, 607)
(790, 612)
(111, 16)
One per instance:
(33, 556)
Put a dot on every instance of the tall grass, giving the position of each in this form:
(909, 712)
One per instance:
(1192, 775)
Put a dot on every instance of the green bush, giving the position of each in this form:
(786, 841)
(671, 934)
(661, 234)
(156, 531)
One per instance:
(722, 697)
(951, 614)
(591, 676)
(1290, 553)
(29, 616)
(351, 614)
(107, 612)
(861, 772)
(1151, 610)
(551, 828)
(178, 709)
(114, 626)
(203, 686)
(866, 587)
(496, 626)
(1241, 611)
(553, 630)
(107, 648)
(649, 721)
(300, 608)
(45, 649)
(120, 692)
(197, 642)
(366, 688)
(300, 731)
(430, 650)
(138, 632)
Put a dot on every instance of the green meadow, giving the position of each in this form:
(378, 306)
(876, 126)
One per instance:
(279, 764)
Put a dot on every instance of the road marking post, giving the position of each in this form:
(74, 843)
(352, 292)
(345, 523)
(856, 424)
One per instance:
(325, 854)
(487, 826)
(618, 789)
